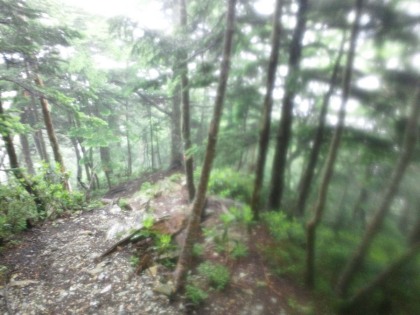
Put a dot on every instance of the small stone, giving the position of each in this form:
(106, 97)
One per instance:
(163, 288)
(106, 289)
(115, 209)
(148, 293)
(121, 310)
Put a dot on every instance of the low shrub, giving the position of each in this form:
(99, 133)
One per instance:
(229, 183)
(217, 274)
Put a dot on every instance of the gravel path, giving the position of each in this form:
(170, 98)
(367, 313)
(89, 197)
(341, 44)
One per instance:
(54, 271)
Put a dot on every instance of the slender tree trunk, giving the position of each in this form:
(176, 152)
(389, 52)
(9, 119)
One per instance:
(359, 209)
(127, 136)
(52, 136)
(265, 122)
(32, 116)
(356, 260)
(152, 148)
(14, 164)
(184, 260)
(285, 126)
(308, 174)
(159, 159)
(87, 163)
(38, 136)
(27, 153)
(332, 155)
(105, 155)
(176, 134)
(185, 97)
(78, 159)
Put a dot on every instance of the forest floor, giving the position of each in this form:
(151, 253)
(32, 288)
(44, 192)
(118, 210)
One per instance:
(56, 268)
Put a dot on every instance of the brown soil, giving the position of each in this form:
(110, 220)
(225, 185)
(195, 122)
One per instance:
(53, 268)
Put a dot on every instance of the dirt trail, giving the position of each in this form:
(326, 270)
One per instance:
(53, 270)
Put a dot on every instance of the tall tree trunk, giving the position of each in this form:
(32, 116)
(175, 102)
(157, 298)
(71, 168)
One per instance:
(14, 164)
(176, 134)
(265, 122)
(127, 137)
(193, 227)
(32, 115)
(52, 136)
(308, 174)
(185, 97)
(285, 126)
(87, 163)
(375, 224)
(105, 155)
(159, 158)
(359, 209)
(25, 146)
(152, 149)
(332, 155)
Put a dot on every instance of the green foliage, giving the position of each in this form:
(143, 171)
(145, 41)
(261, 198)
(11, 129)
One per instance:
(148, 188)
(195, 295)
(134, 261)
(229, 183)
(242, 215)
(198, 249)
(163, 243)
(16, 206)
(148, 221)
(48, 183)
(217, 274)
(123, 203)
(282, 228)
(239, 250)
(175, 178)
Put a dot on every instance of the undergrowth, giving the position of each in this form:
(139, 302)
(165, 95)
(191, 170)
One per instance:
(286, 257)
(17, 207)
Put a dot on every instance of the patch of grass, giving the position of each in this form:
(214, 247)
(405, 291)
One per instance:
(195, 295)
(175, 178)
(229, 183)
(217, 274)
(239, 250)
(198, 249)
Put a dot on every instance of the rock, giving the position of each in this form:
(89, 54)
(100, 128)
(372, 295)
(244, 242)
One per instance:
(121, 310)
(106, 289)
(153, 270)
(22, 283)
(166, 289)
(148, 293)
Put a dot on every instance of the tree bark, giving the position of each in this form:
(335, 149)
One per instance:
(265, 122)
(284, 132)
(52, 136)
(105, 155)
(308, 174)
(185, 97)
(184, 260)
(25, 145)
(32, 115)
(152, 149)
(332, 155)
(176, 134)
(356, 260)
